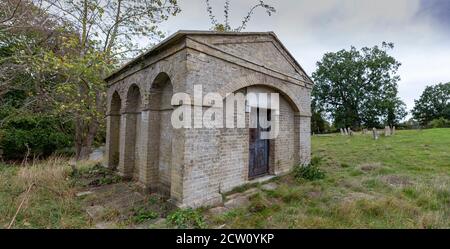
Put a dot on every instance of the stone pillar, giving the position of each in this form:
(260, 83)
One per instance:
(112, 140)
(127, 144)
(177, 170)
(305, 139)
(200, 170)
(149, 149)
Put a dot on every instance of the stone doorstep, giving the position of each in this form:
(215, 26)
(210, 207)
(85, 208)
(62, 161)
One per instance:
(261, 179)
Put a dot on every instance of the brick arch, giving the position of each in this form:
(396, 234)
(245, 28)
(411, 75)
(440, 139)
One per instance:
(113, 129)
(130, 137)
(160, 134)
(250, 80)
(159, 80)
(115, 103)
(133, 100)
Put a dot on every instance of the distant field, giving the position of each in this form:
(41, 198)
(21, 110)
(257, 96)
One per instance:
(401, 181)
(395, 182)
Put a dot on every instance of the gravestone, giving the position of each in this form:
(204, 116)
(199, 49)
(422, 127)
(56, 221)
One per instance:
(350, 132)
(342, 132)
(346, 131)
(393, 130)
(387, 131)
(375, 134)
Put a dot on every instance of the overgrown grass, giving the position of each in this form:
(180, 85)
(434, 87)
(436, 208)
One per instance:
(186, 218)
(401, 181)
(51, 201)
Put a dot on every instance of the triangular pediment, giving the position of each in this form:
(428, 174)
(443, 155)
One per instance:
(262, 49)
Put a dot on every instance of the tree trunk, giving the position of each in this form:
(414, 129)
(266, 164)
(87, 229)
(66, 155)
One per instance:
(84, 145)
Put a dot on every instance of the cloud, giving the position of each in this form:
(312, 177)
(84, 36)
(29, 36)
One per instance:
(420, 30)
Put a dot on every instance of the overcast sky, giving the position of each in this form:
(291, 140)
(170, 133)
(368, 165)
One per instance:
(420, 30)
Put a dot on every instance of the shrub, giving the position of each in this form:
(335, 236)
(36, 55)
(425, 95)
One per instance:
(41, 135)
(439, 123)
(186, 218)
(309, 172)
(142, 215)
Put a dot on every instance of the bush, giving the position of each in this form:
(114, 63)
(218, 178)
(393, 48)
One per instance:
(142, 215)
(439, 123)
(40, 134)
(186, 218)
(309, 172)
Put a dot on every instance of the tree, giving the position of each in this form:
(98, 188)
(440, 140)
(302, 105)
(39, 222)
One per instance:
(95, 36)
(359, 88)
(318, 122)
(107, 32)
(225, 26)
(434, 103)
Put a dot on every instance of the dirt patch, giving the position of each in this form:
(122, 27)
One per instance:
(120, 204)
(314, 194)
(368, 167)
(396, 180)
(356, 196)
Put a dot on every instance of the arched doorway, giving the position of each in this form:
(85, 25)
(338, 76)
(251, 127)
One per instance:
(245, 154)
(131, 122)
(114, 130)
(160, 107)
(279, 153)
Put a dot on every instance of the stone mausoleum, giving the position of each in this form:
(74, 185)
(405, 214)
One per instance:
(193, 166)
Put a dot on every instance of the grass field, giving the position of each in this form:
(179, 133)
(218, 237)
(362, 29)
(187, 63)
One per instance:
(394, 182)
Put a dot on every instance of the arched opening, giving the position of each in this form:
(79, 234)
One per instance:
(160, 108)
(243, 150)
(283, 148)
(131, 121)
(114, 130)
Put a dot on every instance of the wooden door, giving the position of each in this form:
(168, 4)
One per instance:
(258, 150)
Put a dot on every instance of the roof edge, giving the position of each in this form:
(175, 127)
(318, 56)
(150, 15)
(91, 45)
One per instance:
(182, 33)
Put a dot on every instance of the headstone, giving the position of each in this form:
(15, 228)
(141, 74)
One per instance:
(387, 131)
(346, 131)
(350, 132)
(342, 132)
(393, 130)
(375, 134)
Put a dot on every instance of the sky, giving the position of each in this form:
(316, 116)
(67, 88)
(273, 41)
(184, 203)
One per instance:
(420, 30)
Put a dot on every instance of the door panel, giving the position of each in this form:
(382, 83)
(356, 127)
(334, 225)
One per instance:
(258, 151)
